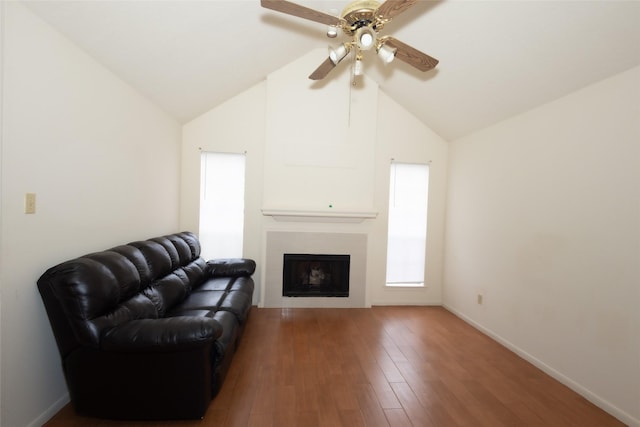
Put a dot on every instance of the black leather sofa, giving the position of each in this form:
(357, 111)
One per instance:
(147, 330)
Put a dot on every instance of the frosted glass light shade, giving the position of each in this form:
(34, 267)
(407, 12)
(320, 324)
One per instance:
(365, 38)
(336, 55)
(387, 54)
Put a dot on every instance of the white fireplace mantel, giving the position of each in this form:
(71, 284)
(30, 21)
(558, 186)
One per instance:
(292, 215)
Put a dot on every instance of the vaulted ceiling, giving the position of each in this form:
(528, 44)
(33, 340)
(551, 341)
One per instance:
(497, 58)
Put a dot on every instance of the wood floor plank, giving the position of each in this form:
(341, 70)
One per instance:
(344, 396)
(352, 418)
(370, 407)
(397, 418)
(307, 418)
(395, 366)
(381, 387)
(411, 405)
(328, 414)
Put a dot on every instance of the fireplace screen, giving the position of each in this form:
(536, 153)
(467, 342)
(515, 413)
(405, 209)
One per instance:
(306, 275)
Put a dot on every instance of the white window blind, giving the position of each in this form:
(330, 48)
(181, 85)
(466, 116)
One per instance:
(407, 232)
(221, 204)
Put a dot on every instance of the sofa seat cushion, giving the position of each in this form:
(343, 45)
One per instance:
(238, 303)
(242, 284)
(182, 312)
(201, 300)
(215, 284)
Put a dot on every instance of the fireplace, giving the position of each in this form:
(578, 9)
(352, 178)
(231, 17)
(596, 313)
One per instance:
(280, 243)
(310, 275)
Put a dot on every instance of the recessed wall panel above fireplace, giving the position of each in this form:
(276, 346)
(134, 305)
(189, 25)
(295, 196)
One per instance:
(320, 145)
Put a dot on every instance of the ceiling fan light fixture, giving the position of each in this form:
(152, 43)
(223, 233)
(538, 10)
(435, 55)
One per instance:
(361, 21)
(365, 38)
(336, 55)
(387, 54)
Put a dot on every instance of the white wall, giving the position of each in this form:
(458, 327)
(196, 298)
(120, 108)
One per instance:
(543, 219)
(295, 130)
(104, 163)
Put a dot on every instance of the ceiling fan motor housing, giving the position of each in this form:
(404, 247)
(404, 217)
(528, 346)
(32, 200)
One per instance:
(360, 13)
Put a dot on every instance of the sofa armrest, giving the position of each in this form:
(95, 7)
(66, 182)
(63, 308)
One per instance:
(231, 267)
(158, 335)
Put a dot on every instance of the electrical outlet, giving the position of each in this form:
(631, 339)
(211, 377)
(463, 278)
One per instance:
(480, 299)
(30, 203)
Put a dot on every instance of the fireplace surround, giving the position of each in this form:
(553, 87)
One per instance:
(280, 242)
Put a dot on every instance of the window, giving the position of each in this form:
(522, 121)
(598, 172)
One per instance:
(407, 235)
(221, 204)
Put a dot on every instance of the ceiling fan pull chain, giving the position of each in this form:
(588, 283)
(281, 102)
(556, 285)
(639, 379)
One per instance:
(350, 94)
(353, 73)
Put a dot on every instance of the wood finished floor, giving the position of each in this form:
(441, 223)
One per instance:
(384, 366)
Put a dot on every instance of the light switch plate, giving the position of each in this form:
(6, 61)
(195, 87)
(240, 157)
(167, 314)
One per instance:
(30, 203)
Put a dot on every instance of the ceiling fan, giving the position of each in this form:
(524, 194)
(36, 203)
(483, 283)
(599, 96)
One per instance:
(361, 20)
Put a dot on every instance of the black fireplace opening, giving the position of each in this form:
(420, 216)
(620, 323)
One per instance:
(310, 275)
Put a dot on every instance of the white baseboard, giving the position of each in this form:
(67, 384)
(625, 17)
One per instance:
(51, 411)
(578, 388)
